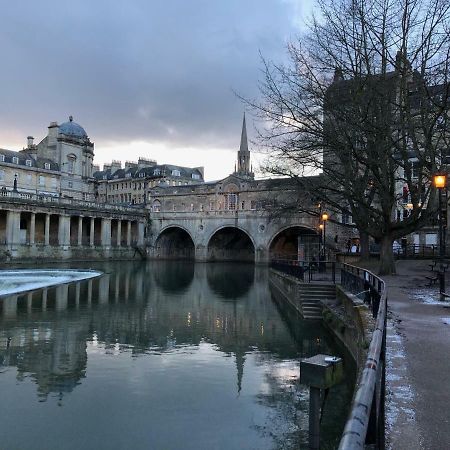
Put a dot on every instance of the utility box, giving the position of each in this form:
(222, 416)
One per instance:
(321, 371)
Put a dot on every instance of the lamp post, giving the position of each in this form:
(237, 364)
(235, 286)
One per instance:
(324, 221)
(440, 182)
(321, 248)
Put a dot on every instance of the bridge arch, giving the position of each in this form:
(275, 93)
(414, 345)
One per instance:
(174, 242)
(231, 243)
(295, 242)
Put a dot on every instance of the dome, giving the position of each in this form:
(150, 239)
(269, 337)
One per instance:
(71, 128)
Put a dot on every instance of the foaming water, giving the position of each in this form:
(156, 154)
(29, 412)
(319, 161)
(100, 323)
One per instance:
(22, 280)
(158, 356)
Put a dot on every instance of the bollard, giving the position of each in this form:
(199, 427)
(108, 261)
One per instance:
(319, 372)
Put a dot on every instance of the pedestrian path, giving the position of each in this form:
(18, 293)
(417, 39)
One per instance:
(418, 361)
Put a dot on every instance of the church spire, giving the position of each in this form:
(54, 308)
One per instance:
(244, 142)
(243, 155)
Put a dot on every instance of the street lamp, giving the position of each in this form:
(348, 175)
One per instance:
(324, 221)
(440, 183)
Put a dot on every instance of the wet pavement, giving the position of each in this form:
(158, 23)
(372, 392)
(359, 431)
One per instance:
(418, 361)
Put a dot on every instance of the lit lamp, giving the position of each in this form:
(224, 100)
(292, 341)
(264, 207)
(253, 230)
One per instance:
(440, 183)
(324, 222)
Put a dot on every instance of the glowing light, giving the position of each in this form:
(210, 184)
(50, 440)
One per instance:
(440, 181)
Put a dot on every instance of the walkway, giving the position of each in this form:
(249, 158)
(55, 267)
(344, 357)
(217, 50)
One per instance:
(418, 359)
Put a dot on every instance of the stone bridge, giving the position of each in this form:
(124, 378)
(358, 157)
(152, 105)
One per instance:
(231, 235)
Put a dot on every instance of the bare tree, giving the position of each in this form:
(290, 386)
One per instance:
(363, 106)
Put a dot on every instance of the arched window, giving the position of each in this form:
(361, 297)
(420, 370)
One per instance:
(71, 163)
(156, 206)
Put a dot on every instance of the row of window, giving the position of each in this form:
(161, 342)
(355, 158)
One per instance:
(231, 204)
(28, 162)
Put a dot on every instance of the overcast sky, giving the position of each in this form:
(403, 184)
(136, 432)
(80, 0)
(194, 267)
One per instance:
(151, 78)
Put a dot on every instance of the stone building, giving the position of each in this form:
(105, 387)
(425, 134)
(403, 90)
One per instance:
(130, 185)
(60, 165)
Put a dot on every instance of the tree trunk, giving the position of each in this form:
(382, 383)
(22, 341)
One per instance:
(387, 262)
(364, 245)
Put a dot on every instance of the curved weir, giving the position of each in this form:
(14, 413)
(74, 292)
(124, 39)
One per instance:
(17, 281)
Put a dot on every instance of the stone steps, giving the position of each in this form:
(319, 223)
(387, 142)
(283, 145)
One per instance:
(311, 298)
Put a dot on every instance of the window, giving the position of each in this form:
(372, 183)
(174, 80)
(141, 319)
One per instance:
(2, 174)
(2, 158)
(211, 206)
(243, 205)
(15, 160)
(157, 172)
(176, 173)
(29, 178)
(70, 184)
(41, 180)
(230, 201)
(431, 239)
(54, 183)
(156, 207)
(28, 162)
(195, 176)
(415, 169)
(71, 163)
(47, 166)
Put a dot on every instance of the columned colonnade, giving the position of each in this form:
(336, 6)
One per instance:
(68, 230)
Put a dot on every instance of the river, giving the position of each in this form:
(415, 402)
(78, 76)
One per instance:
(159, 355)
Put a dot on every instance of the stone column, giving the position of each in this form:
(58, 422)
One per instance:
(129, 233)
(119, 233)
(29, 302)
(62, 297)
(92, 231)
(32, 228)
(64, 231)
(47, 230)
(80, 231)
(12, 228)
(103, 289)
(106, 233)
(140, 239)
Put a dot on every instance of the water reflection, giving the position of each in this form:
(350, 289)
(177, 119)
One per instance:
(158, 345)
(230, 281)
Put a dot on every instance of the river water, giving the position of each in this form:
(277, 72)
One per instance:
(159, 355)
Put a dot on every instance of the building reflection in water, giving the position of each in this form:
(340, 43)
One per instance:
(153, 309)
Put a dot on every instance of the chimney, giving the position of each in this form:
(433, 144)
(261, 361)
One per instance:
(30, 140)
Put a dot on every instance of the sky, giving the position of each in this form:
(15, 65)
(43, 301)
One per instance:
(151, 78)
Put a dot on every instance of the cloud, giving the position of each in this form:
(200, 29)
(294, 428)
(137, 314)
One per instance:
(139, 70)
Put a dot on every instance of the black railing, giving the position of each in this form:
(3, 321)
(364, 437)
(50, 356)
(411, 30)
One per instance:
(416, 251)
(366, 422)
(306, 271)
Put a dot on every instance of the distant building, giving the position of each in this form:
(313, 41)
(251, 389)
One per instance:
(130, 184)
(60, 165)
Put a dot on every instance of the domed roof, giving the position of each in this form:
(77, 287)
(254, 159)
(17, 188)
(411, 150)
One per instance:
(71, 128)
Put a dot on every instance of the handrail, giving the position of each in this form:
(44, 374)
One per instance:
(365, 424)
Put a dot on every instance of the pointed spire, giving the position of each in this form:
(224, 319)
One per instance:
(244, 143)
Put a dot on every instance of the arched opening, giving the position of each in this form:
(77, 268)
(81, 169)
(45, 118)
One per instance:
(295, 243)
(231, 244)
(174, 243)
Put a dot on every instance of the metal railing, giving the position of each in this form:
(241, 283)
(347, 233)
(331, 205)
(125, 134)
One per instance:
(306, 271)
(366, 422)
